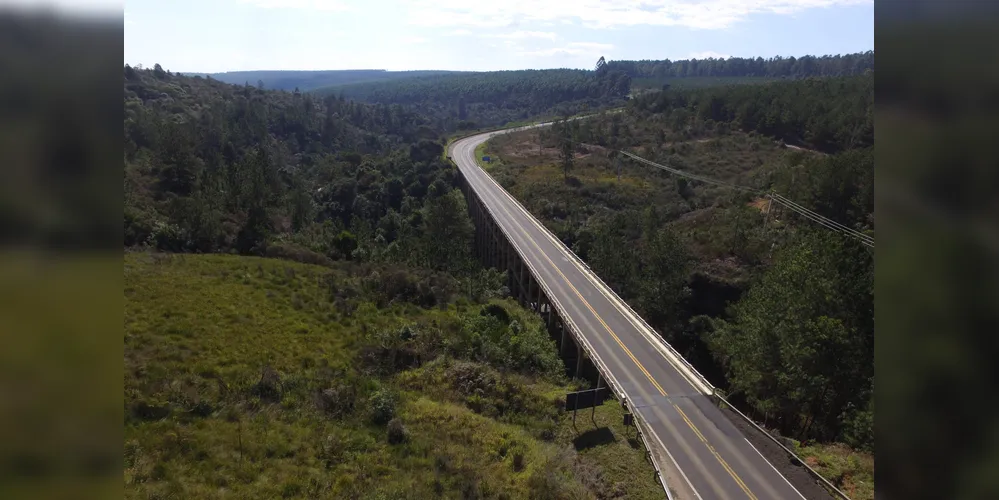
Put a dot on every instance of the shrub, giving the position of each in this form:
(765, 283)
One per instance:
(382, 404)
(397, 432)
(518, 460)
(337, 401)
(289, 251)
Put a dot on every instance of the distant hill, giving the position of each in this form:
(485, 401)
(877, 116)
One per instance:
(468, 100)
(309, 80)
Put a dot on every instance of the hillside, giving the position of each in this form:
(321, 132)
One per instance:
(472, 100)
(309, 80)
(260, 378)
(216, 167)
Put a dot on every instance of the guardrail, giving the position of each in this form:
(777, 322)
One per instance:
(813, 472)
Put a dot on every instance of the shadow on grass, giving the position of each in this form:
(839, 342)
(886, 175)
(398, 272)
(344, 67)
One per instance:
(593, 438)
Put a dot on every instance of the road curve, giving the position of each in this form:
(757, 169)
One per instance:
(707, 457)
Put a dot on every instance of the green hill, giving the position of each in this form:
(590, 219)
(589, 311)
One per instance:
(309, 80)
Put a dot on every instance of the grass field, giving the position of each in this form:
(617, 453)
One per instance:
(260, 378)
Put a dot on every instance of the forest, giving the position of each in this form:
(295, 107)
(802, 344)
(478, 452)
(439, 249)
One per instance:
(309, 80)
(788, 67)
(827, 114)
(211, 167)
(773, 308)
(476, 100)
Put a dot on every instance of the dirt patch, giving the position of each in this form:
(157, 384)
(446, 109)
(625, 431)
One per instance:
(761, 204)
(796, 474)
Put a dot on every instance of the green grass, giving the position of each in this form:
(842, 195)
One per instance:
(203, 419)
(850, 470)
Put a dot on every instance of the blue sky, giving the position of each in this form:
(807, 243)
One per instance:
(229, 35)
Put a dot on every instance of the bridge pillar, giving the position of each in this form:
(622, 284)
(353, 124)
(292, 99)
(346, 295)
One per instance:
(561, 344)
(492, 245)
(523, 282)
(579, 361)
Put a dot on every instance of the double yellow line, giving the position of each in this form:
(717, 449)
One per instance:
(638, 363)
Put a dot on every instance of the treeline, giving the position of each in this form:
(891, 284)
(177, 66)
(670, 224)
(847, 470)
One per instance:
(309, 80)
(211, 167)
(828, 114)
(793, 67)
(472, 100)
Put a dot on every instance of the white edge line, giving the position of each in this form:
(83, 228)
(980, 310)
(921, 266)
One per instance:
(775, 469)
(670, 455)
(593, 354)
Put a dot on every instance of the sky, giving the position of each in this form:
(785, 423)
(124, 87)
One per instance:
(230, 35)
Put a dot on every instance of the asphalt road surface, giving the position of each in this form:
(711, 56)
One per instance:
(706, 457)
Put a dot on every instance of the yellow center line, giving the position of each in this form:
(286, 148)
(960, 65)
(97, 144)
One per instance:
(627, 351)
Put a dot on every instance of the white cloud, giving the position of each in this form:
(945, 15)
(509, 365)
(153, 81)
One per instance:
(413, 40)
(707, 54)
(460, 32)
(572, 49)
(698, 14)
(86, 8)
(522, 35)
(327, 5)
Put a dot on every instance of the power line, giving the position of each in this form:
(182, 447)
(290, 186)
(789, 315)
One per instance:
(795, 207)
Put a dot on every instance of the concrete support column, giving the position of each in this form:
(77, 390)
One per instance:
(579, 361)
(561, 344)
(524, 283)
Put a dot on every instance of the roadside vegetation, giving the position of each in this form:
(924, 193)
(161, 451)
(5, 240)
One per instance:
(772, 308)
(263, 378)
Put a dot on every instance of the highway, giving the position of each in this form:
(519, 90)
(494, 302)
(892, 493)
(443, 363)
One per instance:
(705, 456)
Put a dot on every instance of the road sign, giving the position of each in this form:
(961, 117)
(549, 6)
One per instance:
(629, 419)
(485, 159)
(585, 399)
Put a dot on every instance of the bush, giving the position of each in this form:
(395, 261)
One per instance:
(397, 432)
(296, 253)
(337, 401)
(382, 404)
(518, 460)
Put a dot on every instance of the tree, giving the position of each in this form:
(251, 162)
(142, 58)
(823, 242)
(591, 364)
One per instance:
(447, 233)
(665, 267)
(254, 233)
(800, 346)
(566, 146)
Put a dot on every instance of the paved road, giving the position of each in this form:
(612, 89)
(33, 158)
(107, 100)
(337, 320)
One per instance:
(706, 456)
